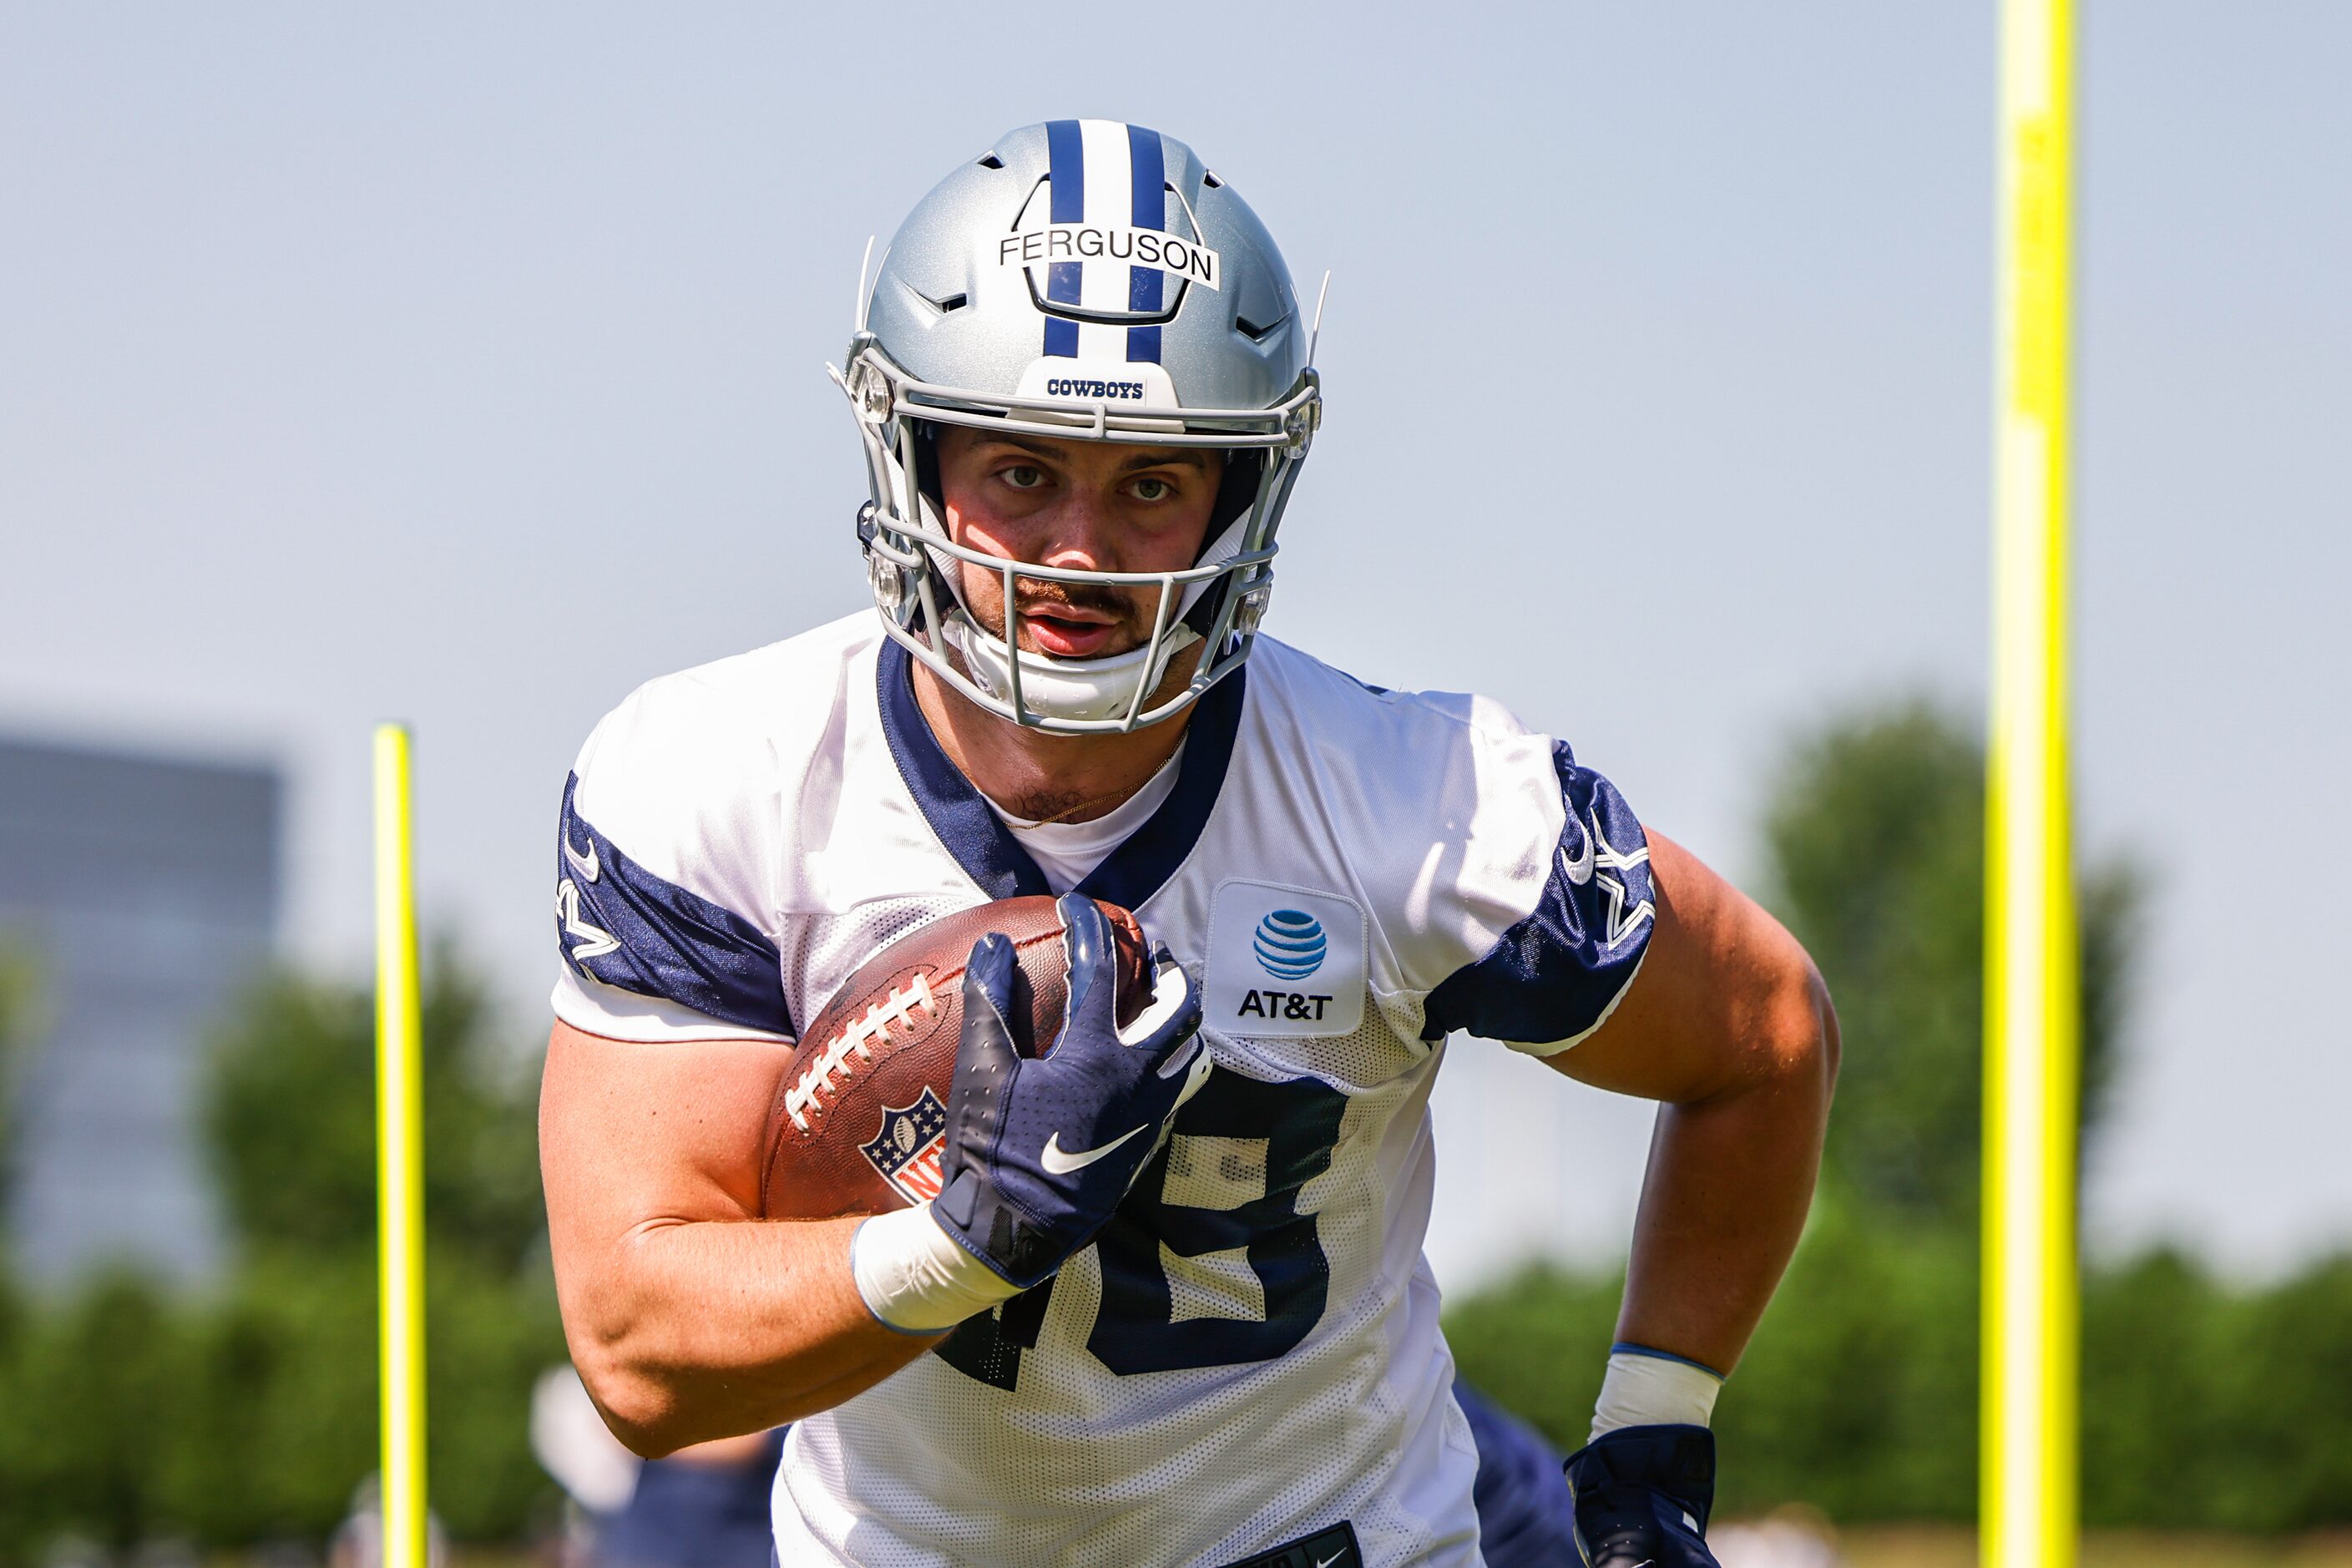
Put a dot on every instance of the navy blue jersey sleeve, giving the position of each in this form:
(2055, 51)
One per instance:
(621, 925)
(1555, 976)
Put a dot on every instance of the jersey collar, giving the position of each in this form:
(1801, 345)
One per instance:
(971, 832)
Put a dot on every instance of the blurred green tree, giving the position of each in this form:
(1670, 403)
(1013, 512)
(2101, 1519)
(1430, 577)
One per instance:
(96, 1370)
(1874, 855)
(289, 1118)
(2204, 1407)
(19, 998)
(249, 1414)
(281, 1420)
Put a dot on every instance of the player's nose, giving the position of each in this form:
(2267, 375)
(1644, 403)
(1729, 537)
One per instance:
(1084, 534)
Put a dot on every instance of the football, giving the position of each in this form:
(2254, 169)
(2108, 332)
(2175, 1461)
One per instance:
(860, 1116)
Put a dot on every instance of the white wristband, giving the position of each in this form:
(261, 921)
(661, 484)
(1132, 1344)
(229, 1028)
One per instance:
(1646, 1389)
(914, 1276)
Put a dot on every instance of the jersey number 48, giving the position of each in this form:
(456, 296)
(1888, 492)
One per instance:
(1223, 1190)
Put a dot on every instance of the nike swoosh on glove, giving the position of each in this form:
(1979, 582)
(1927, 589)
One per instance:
(1040, 1151)
(1643, 1494)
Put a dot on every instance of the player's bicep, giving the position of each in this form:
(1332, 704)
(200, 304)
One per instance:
(635, 1133)
(1703, 1012)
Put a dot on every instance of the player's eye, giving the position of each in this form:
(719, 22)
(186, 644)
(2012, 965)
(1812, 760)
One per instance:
(1023, 476)
(1152, 488)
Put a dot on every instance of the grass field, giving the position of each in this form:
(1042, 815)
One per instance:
(1944, 1547)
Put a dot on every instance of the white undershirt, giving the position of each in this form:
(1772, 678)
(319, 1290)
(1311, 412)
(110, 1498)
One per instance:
(1067, 852)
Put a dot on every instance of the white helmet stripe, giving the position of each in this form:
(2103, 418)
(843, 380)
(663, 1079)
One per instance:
(1103, 286)
(1108, 187)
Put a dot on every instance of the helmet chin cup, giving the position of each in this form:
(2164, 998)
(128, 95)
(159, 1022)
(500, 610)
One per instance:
(1064, 688)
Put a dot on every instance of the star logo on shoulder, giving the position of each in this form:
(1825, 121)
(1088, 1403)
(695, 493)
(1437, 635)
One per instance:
(1607, 859)
(588, 940)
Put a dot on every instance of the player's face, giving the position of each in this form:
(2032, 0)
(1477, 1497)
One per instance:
(1087, 505)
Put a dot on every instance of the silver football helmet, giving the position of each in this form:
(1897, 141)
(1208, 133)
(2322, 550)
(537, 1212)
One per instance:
(1092, 281)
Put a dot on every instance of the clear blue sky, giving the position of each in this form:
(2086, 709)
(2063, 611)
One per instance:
(465, 366)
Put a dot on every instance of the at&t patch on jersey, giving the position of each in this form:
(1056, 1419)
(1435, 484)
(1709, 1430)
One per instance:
(1284, 962)
(906, 1149)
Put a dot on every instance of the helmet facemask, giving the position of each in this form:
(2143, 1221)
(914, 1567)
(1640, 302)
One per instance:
(915, 566)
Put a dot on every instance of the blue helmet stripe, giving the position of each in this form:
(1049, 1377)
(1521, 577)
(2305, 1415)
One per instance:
(1066, 153)
(1147, 173)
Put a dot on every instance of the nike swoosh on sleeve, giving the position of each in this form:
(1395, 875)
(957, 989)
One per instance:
(1578, 871)
(586, 865)
(1058, 1163)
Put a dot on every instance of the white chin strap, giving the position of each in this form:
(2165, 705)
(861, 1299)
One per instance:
(1065, 687)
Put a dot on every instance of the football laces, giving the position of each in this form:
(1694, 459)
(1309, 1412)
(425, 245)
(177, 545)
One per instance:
(906, 1007)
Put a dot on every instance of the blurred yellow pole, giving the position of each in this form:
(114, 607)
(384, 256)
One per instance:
(2032, 1069)
(400, 1163)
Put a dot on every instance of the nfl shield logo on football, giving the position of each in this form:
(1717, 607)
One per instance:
(906, 1149)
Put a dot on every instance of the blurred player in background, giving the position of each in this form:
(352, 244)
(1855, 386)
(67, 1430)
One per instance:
(1084, 384)
(704, 1506)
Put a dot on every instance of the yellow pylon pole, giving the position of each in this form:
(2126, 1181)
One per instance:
(2032, 1307)
(400, 1158)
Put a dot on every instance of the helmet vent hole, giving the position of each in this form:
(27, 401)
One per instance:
(1210, 179)
(990, 161)
(1252, 330)
(954, 302)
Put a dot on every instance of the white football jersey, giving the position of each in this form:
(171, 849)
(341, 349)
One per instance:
(1248, 1357)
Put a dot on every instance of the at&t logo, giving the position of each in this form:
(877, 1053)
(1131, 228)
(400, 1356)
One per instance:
(1284, 962)
(1290, 944)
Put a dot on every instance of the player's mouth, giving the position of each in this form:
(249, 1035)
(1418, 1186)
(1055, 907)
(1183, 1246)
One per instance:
(1070, 631)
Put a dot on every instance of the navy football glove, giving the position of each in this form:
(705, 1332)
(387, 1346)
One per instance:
(1642, 1495)
(1040, 1151)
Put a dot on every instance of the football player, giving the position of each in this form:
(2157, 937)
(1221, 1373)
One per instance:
(1168, 1304)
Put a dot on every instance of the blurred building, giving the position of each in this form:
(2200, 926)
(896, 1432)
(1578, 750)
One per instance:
(145, 889)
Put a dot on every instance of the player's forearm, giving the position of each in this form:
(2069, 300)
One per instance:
(1729, 1180)
(685, 1331)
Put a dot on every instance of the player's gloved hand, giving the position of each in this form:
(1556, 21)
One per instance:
(1642, 1495)
(1039, 1152)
